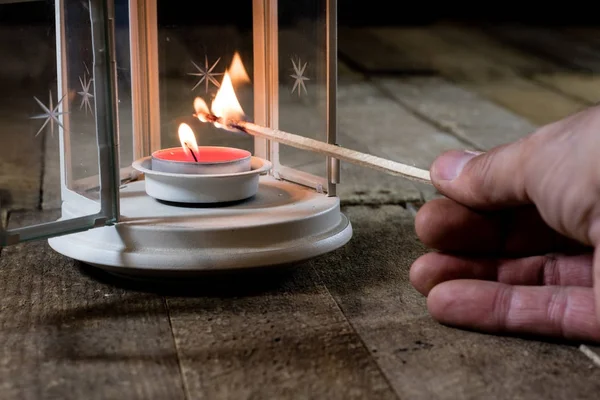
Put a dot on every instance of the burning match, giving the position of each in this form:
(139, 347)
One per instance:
(227, 113)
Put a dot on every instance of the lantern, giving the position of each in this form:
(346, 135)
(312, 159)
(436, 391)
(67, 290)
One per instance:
(152, 177)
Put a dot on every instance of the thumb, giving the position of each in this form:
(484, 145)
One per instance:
(488, 180)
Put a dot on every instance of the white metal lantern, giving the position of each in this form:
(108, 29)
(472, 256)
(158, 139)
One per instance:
(126, 91)
(172, 154)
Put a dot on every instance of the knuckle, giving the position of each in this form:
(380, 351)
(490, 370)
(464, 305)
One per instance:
(497, 172)
(484, 176)
(557, 310)
(502, 305)
(551, 272)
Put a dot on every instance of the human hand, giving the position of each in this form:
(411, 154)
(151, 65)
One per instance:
(516, 235)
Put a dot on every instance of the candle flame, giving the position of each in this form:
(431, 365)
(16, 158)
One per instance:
(225, 104)
(188, 140)
(237, 70)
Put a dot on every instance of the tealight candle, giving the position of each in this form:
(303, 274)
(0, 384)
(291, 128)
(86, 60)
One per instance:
(193, 159)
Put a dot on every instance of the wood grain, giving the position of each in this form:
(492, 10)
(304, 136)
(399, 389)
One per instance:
(51, 177)
(482, 44)
(494, 80)
(20, 176)
(466, 114)
(66, 335)
(582, 87)
(551, 44)
(555, 75)
(372, 122)
(270, 334)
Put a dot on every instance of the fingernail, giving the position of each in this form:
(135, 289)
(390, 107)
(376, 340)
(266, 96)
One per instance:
(449, 166)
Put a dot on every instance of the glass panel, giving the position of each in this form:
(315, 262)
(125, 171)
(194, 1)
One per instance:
(77, 73)
(197, 43)
(123, 49)
(303, 79)
(40, 106)
(84, 170)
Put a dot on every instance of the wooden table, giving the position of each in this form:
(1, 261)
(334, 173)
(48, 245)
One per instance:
(346, 325)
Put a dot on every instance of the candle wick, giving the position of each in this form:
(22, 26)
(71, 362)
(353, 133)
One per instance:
(191, 151)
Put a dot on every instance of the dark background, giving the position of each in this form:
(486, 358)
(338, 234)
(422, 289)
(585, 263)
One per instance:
(351, 12)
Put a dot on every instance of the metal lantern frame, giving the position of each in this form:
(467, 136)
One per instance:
(143, 29)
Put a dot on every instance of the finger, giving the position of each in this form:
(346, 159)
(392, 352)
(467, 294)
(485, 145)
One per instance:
(432, 269)
(597, 271)
(553, 311)
(448, 226)
(483, 180)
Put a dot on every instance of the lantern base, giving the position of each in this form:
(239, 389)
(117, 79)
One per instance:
(284, 223)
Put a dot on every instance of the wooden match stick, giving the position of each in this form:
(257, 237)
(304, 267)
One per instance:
(340, 153)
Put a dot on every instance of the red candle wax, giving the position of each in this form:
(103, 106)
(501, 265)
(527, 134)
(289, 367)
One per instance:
(204, 154)
(210, 160)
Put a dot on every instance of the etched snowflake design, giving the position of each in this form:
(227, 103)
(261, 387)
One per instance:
(206, 74)
(299, 77)
(51, 114)
(85, 94)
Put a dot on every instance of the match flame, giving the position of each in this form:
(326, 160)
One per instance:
(201, 108)
(237, 70)
(226, 105)
(188, 140)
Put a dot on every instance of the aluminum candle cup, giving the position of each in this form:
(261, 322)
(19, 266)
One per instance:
(202, 188)
(211, 160)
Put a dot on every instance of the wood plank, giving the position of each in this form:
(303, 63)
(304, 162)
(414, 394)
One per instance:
(51, 198)
(580, 86)
(371, 121)
(550, 43)
(270, 335)
(466, 114)
(347, 73)
(499, 82)
(20, 176)
(28, 55)
(28, 69)
(422, 359)
(66, 334)
(478, 42)
(360, 51)
(447, 59)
